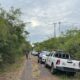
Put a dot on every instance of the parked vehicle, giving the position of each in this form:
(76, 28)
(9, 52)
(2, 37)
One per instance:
(63, 62)
(35, 53)
(42, 56)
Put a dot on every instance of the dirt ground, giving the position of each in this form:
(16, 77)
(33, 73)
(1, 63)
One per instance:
(35, 71)
(32, 70)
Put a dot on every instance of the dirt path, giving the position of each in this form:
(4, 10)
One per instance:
(46, 75)
(27, 71)
(35, 71)
(2, 78)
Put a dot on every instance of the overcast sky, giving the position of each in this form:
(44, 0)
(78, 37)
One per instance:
(43, 13)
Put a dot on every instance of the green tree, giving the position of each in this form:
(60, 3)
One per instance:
(13, 37)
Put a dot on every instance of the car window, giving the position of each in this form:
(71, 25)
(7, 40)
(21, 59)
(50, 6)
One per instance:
(65, 56)
(50, 54)
(56, 55)
(59, 55)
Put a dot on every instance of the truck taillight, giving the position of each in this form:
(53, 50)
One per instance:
(58, 62)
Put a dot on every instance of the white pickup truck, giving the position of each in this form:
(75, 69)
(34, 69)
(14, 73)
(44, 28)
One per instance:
(63, 62)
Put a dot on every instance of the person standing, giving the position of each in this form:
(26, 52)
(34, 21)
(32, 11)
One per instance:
(27, 54)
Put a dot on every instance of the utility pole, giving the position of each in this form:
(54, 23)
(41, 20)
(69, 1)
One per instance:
(54, 30)
(59, 28)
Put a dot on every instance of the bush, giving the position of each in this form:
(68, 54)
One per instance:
(12, 41)
(70, 42)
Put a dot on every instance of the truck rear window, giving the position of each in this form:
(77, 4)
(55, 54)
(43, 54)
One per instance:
(58, 55)
(65, 56)
(62, 55)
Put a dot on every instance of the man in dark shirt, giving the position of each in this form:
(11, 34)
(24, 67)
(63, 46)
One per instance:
(27, 54)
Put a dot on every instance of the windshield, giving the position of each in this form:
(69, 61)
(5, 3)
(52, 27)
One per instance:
(45, 53)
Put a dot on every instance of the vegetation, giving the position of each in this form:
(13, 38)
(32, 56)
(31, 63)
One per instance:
(13, 37)
(69, 42)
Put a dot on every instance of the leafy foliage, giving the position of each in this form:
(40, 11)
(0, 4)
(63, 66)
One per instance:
(13, 37)
(69, 42)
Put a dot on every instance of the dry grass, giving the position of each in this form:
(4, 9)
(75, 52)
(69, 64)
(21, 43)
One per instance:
(36, 72)
(14, 71)
(35, 69)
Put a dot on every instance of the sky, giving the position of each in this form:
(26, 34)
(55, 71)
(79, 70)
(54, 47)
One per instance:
(42, 14)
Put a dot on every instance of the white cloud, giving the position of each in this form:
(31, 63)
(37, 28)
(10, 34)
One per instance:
(42, 13)
(34, 23)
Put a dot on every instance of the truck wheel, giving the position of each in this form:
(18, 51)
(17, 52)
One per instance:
(52, 69)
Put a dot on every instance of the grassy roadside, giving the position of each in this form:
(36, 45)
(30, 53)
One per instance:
(67, 77)
(35, 68)
(14, 71)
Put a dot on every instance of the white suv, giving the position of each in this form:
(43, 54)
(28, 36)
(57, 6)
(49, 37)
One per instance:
(63, 62)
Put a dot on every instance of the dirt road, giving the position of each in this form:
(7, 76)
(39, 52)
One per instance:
(35, 71)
